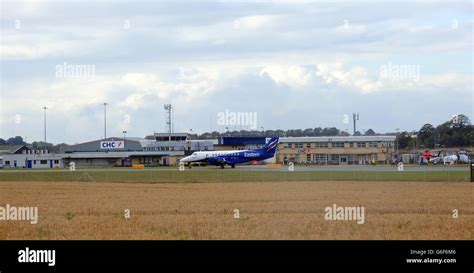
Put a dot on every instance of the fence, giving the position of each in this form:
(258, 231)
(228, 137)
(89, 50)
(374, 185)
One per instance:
(217, 175)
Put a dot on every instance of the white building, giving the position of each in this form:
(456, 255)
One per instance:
(32, 159)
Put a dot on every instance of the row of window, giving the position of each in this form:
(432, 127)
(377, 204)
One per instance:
(169, 148)
(330, 157)
(162, 148)
(372, 144)
(42, 162)
(222, 154)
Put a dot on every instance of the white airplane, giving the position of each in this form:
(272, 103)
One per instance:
(221, 158)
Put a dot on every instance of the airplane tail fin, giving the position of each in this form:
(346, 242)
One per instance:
(271, 145)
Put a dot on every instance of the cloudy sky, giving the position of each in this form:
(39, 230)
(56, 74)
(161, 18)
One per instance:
(296, 65)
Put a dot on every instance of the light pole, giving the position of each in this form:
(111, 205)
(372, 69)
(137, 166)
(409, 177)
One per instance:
(124, 132)
(105, 120)
(44, 108)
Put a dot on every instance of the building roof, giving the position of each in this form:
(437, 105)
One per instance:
(119, 154)
(94, 146)
(337, 139)
(10, 149)
(172, 134)
(32, 156)
(108, 139)
(133, 138)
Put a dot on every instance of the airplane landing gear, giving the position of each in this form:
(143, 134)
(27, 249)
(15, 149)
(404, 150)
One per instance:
(222, 166)
(233, 166)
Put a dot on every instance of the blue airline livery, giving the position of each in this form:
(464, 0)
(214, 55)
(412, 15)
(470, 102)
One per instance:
(221, 158)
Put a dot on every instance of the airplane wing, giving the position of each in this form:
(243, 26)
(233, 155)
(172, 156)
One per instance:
(219, 160)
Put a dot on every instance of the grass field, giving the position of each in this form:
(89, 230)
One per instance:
(216, 175)
(283, 210)
(200, 204)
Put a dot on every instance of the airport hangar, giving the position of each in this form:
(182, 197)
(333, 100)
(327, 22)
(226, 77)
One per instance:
(166, 149)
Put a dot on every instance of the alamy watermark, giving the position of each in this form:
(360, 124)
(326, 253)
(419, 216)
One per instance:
(28, 255)
(230, 118)
(75, 71)
(12, 213)
(400, 71)
(336, 213)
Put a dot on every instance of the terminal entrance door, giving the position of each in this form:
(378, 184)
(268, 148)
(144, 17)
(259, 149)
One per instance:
(342, 160)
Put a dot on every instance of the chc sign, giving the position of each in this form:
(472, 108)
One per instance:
(112, 144)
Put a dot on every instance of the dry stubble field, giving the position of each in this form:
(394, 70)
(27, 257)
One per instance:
(279, 210)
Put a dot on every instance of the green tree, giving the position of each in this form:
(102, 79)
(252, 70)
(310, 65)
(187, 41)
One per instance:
(18, 140)
(403, 140)
(370, 132)
(426, 135)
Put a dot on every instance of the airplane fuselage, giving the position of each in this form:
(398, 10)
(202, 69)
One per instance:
(234, 157)
(227, 157)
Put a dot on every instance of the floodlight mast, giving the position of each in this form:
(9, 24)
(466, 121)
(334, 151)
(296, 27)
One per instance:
(105, 120)
(168, 120)
(45, 108)
(355, 118)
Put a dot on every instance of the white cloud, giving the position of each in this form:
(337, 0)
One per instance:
(359, 79)
(256, 21)
(293, 75)
(241, 55)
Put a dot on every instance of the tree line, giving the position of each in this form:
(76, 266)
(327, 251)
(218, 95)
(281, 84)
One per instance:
(457, 132)
(309, 132)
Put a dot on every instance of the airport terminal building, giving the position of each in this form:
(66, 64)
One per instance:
(338, 150)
